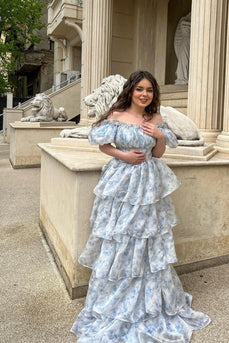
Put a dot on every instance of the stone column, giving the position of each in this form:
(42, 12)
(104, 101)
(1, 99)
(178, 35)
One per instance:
(206, 69)
(222, 142)
(96, 49)
(86, 56)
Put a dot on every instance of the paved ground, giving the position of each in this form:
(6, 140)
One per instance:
(34, 304)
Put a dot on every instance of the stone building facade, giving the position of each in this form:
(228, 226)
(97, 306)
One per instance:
(105, 37)
(65, 29)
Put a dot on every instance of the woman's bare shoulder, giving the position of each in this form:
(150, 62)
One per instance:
(115, 115)
(157, 119)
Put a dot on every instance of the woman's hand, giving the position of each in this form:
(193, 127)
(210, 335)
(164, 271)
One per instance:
(151, 130)
(134, 156)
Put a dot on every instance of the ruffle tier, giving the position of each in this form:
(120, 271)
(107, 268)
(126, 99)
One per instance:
(140, 184)
(129, 240)
(150, 309)
(131, 299)
(111, 218)
(128, 257)
(161, 329)
(152, 330)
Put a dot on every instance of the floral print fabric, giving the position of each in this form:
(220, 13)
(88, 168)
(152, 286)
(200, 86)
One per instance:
(134, 295)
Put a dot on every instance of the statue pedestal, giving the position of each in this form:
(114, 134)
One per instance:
(70, 169)
(74, 143)
(198, 153)
(12, 115)
(24, 137)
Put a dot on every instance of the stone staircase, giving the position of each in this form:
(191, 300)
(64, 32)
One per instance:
(175, 96)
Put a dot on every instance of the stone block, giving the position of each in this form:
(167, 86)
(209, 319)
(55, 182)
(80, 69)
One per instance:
(198, 153)
(25, 136)
(12, 115)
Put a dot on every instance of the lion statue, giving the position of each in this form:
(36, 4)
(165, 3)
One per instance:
(43, 110)
(102, 98)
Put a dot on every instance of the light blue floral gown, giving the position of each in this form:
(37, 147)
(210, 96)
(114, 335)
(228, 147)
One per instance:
(134, 295)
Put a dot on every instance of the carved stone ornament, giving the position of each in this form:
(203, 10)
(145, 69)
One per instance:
(44, 111)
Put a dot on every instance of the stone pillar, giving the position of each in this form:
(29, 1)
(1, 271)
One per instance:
(222, 142)
(96, 47)
(206, 69)
(9, 100)
(161, 40)
(86, 57)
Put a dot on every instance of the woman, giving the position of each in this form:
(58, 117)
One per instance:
(134, 294)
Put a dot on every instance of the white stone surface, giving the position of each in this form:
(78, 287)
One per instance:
(202, 153)
(184, 128)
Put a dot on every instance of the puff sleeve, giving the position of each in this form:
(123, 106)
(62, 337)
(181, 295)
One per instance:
(170, 137)
(104, 133)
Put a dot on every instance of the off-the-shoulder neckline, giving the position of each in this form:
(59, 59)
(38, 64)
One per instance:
(127, 124)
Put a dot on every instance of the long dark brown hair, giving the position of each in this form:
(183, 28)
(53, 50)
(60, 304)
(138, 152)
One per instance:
(124, 99)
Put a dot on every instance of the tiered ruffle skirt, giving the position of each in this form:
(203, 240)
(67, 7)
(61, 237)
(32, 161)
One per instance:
(134, 294)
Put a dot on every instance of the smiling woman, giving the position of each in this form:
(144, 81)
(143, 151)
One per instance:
(143, 93)
(134, 295)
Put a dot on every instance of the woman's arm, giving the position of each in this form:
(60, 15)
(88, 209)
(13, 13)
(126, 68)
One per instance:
(159, 148)
(133, 156)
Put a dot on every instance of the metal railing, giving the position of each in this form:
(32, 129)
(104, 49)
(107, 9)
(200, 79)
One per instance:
(51, 90)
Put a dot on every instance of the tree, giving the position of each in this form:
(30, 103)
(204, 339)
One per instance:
(20, 21)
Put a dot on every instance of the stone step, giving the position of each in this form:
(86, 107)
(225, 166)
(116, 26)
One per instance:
(176, 95)
(174, 102)
(173, 88)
